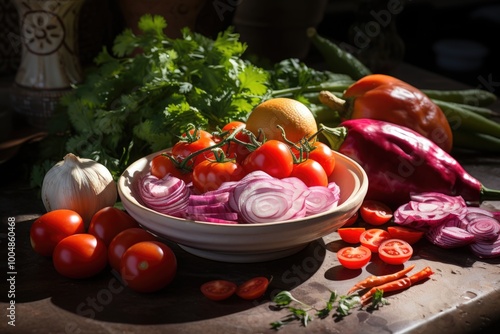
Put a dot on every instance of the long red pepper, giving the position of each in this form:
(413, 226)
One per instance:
(399, 161)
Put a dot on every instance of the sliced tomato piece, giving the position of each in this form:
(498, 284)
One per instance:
(408, 234)
(253, 288)
(373, 237)
(218, 289)
(375, 212)
(354, 257)
(395, 251)
(351, 234)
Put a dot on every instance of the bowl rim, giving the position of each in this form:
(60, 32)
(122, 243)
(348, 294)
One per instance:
(352, 166)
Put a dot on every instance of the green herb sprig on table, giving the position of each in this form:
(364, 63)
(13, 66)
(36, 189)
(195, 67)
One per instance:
(341, 304)
(140, 97)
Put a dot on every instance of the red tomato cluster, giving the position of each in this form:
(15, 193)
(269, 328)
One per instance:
(392, 244)
(209, 168)
(219, 289)
(113, 237)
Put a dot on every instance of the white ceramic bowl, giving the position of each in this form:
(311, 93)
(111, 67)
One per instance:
(246, 243)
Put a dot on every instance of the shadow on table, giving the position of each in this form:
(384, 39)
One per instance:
(105, 298)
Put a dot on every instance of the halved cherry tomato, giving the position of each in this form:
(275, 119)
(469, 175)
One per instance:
(323, 154)
(352, 220)
(80, 255)
(351, 234)
(310, 172)
(52, 227)
(354, 257)
(273, 157)
(372, 238)
(209, 175)
(408, 234)
(395, 251)
(218, 289)
(375, 212)
(148, 266)
(108, 222)
(162, 165)
(123, 240)
(253, 288)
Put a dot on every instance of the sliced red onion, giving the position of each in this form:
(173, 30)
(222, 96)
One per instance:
(270, 200)
(449, 236)
(484, 228)
(321, 199)
(168, 195)
(485, 249)
(430, 209)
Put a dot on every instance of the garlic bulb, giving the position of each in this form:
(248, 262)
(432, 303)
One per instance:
(78, 184)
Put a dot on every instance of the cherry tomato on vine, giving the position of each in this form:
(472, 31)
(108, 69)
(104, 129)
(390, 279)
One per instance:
(395, 251)
(182, 149)
(162, 165)
(273, 157)
(354, 257)
(123, 240)
(310, 172)
(209, 175)
(351, 234)
(218, 289)
(148, 266)
(375, 212)
(372, 238)
(80, 256)
(253, 288)
(234, 149)
(323, 154)
(52, 227)
(108, 222)
(408, 234)
(200, 133)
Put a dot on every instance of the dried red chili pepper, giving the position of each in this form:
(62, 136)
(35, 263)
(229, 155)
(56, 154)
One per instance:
(389, 99)
(399, 161)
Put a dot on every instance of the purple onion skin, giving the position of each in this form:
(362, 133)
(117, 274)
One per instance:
(399, 161)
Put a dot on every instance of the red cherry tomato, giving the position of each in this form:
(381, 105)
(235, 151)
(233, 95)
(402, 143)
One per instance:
(148, 266)
(372, 238)
(253, 288)
(123, 240)
(80, 256)
(351, 234)
(408, 234)
(182, 149)
(375, 212)
(310, 172)
(52, 227)
(209, 175)
(234, 149)
(273, 157)
(162, 165)
(351, 220)
(200, 133)
(218, 289)
(395, 251)
(354, 257)
(108, 222)
(323, 154)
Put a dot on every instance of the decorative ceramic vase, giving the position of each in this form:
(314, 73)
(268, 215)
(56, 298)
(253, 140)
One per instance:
(49, 59)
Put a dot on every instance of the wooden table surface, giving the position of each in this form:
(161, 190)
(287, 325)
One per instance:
(463, 296)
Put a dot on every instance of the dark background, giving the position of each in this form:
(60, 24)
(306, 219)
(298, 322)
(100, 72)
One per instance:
(419, 25)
